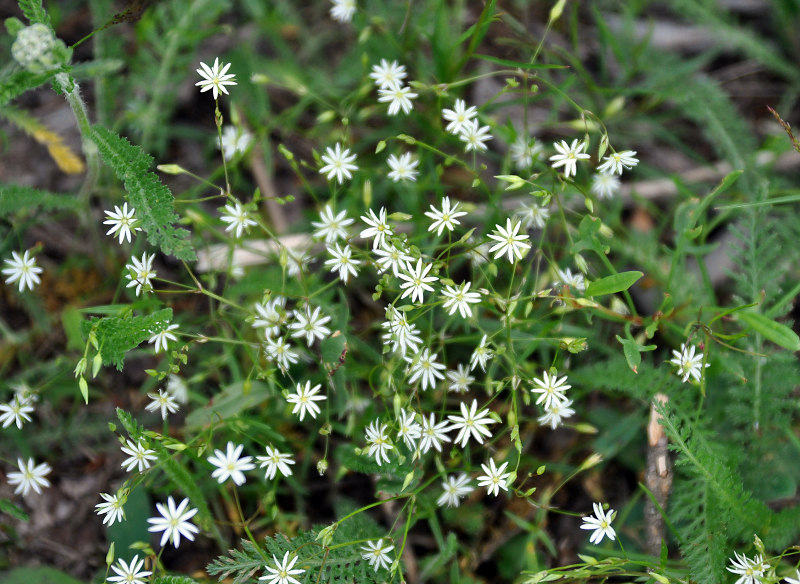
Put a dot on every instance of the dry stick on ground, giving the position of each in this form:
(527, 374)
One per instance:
(258, 251)
(268, 190)
(657, 478)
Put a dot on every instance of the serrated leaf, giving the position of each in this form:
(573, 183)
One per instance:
(772, 331)
(118, 335)
(15, 198)
(34, 12)
(613, 284)
(152, 200)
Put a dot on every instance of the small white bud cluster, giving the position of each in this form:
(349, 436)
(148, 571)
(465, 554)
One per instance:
(37, 50)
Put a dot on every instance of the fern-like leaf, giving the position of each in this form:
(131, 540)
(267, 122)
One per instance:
(15, 198)
(339, 562)
(118, 335)
(18, 82)
(174, 580)
(34, 11)
(152, 200)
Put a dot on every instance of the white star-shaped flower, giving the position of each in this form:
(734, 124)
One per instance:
(140, 456)
(568, 156)
(15, 412)
(304, 399)
(605, 185)
(164, 401)
(509, 241)
(342, 261)
(399, 98)
(330, 227)
(122, 222)
(231, 464)
(342, 10)
(237, 218)
(600, 522)
(689, 364)
(417, 281)
(111, 508)
(23, 270)
(377, 554)
(377, 226)
(379, 442)
(550, 389)
(338, 163)
(140, 273)
(174, 522)
(616, 161)
(471, 422)
(161, 338)
(215, 78)
(433, 434)
(447, 218)
(129, 573)
(403, 168)
(494, 478)
(474, 135)
(425, 367)
(283, 573)
(454, 487)
(275, 461)
(310, 324)
(30, 476)
(388, 75)
(459, 116)
(459, 298)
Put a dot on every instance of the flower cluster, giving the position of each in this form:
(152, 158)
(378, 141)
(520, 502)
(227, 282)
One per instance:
(463, 122)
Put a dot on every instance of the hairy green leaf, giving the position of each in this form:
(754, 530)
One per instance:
(152, 200)
(335, 558)
(15, 198)
(118, 335)
(19, 82)
(34, 12)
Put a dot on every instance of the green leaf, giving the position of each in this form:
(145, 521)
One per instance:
(590, 237)
(39, 575)
(118, 335)
(772, 331)
(35, 12)
(10, 508)
(632, 351)
(19, 82)
(174, 580)
(229, 403)
(517, 64)
(612, 284)
(15, 198)
(152, 200)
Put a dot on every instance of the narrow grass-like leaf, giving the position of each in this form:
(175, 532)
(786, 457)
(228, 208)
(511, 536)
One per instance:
(10, 508)
(777, 333)
(152, 200)
(517, 64)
